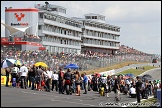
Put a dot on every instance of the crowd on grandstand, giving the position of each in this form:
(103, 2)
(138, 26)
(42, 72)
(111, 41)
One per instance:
(86, 60)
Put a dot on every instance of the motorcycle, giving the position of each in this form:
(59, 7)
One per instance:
(68, 87)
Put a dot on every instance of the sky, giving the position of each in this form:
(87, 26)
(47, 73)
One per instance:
(140, 21)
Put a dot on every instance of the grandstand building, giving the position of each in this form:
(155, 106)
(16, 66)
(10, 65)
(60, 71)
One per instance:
(98, 36)
(60, 33)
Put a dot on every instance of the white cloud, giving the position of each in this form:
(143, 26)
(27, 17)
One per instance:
(2, 29)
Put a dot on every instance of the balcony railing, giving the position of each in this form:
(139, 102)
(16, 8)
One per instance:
(19, 39)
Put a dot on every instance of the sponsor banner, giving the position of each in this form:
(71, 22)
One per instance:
(3, 80)
(21, 43)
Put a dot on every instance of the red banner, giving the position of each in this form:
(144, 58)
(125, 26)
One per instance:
(42, 48)
(17, 39)
(3, 39)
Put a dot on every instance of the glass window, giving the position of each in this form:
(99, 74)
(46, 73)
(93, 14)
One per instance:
(40, 15)
(88, 17)
(39, 27)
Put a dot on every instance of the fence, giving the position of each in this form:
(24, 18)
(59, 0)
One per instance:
(85, 62)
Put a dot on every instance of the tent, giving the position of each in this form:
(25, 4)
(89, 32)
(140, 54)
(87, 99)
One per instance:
(14, 30)
(126, 77)
(130, 75)
(71, 66)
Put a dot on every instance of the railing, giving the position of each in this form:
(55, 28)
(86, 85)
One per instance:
(19, 39)
(84, 62)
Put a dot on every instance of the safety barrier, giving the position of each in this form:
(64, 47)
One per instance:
(3, 80)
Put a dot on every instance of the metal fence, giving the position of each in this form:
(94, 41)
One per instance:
(85, 62)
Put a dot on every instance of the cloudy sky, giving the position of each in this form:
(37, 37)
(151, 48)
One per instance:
(140, 21)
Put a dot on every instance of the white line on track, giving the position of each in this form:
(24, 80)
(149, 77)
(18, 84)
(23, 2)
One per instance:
(78, 99)
(50, 95)
(73, 102)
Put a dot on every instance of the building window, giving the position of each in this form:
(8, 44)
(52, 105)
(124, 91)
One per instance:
(39, 27)
(88, 17)
(40, 15)
(54, 9)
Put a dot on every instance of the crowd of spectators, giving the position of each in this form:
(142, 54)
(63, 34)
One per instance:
(86, 60)
(129, 50)
(42, 79)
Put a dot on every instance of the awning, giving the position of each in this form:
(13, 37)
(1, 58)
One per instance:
(13, 29)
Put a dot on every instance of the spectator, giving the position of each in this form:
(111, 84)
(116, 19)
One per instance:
(77, 81)
(8, 70)
(54, 81)
(138, 89)
(117, 87)
(85, 82)
(14, 74)
(39, 77)
(61, 80)
(48, 75)
(32, 77)
(24, 75)
(132, 91)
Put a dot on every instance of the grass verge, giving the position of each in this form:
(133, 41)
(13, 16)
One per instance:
(117, 66)
(136, 72)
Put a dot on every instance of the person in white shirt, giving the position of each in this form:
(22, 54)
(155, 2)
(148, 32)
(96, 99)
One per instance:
(14, 75)
(54, 81)
(23, 75)
(47, 74)
(132, 91)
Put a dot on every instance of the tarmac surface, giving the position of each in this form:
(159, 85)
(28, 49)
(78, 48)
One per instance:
(17, 97)
(155, 73)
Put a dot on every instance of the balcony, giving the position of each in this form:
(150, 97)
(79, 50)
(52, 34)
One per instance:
(101, 30)
(50, 22)
(61, 35)
(99, 38)
(99, 46)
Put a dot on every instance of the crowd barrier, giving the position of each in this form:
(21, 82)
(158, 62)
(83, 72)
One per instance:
(3, 80)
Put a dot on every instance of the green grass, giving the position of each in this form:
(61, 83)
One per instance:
(117, 66)
(136, 72)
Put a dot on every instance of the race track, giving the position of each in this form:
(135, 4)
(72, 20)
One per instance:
(155, 73)
(16, 97)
